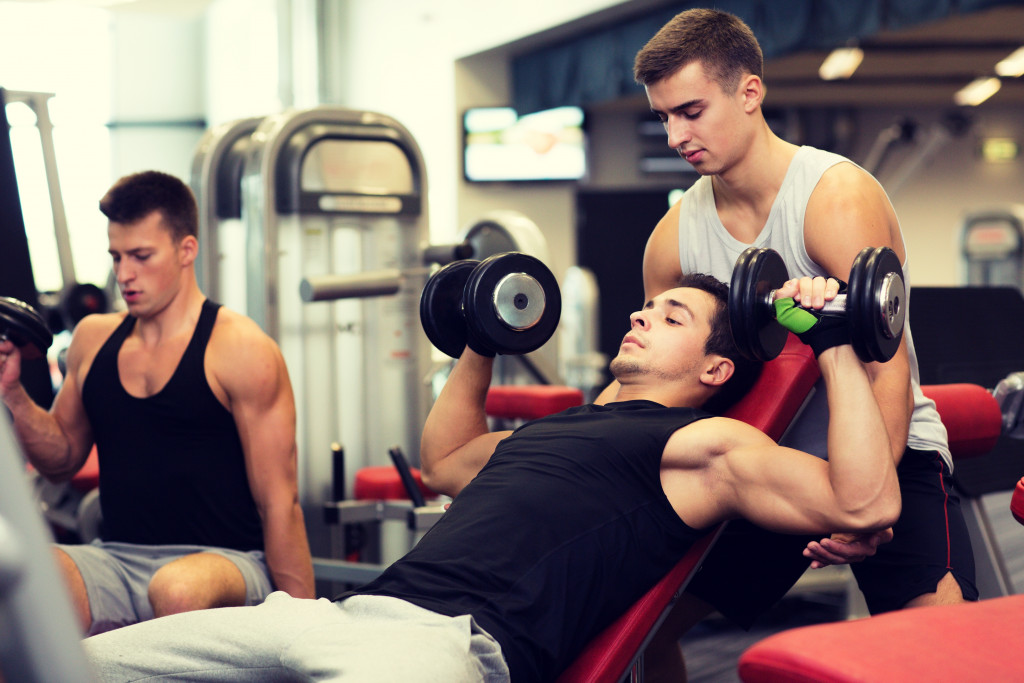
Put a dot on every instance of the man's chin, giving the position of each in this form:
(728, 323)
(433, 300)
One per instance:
(622, 367)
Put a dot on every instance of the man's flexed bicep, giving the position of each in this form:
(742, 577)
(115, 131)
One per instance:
(849, 211)
(248, 366)
(457, 441)
(856, 490)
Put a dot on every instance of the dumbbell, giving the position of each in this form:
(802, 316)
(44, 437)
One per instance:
(22, 324)
(874, 304)
(510, 303)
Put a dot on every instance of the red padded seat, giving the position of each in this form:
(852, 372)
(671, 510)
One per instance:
(975, 641)
(1017, 502)
(529, 402)
(971, 415)
(384, 483)
(88, 478)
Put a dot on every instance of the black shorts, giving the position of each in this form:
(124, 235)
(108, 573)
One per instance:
(929, 540)
(749, 569)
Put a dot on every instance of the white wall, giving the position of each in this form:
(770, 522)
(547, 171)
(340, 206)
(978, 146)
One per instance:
(397, 59)
(157, 104)
(954, 181)
(424, 61)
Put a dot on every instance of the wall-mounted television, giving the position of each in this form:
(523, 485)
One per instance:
(500, 145)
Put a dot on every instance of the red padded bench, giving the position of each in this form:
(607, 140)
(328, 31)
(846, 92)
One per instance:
(978, 641)
(969, 642)
(771, 405)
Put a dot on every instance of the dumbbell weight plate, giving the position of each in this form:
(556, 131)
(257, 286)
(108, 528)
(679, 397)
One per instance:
(20, 323)
(756, 274)
(876, 304)
(441, 307)
(512, 303)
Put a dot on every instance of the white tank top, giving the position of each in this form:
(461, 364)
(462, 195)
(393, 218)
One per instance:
(705, 246)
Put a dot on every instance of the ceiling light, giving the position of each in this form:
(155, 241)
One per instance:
(1012, 66)
(841, 63)
(996, 150)
(977, 91)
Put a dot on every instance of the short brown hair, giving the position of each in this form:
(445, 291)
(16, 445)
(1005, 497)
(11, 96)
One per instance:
(721, 42)
(135, 196)
(721, 342)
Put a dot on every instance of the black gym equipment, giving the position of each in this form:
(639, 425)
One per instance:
(21, 324)
(441, 307)
(874, 305)
(509, 303)
(16, 277)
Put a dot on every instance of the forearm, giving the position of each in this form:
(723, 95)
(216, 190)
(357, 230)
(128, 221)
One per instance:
(890, 383)
(861, 466)
(46, 445)
(287, 552)
(458, 415)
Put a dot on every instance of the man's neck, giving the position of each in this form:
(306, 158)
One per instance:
(745, 193)
(668, 396)
(179, 316)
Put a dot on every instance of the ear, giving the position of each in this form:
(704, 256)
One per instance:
(718, 371)
(752, 91)
(189, 249)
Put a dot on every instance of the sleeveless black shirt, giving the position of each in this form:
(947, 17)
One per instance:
(565, 527)
(172, 469)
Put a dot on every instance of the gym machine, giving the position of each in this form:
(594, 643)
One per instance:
(216, 181)
(992, 245)
(334, 211)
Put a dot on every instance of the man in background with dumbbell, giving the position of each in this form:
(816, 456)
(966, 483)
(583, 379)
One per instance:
(703, 76)
(191, 411)
(557, 528)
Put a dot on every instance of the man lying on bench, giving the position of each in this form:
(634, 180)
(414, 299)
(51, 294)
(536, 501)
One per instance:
(556, 528)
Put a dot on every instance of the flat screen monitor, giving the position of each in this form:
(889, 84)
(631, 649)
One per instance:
(500, 145)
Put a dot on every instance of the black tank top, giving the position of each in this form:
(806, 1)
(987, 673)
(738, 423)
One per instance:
(541, 566)
(172, 470)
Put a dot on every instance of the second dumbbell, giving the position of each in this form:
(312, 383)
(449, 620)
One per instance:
(508, 304)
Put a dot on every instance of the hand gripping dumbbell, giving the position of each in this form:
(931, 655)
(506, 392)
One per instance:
(874, 304)
(22, 324)
(508, 303)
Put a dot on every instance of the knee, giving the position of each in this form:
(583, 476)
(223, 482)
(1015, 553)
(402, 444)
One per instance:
(173, 592)
(195, 582)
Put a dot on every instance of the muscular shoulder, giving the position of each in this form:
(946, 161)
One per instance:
(94, 329)
(847, 211)
(90, 333)
(698, 444)
(698, 472)
(241, 356)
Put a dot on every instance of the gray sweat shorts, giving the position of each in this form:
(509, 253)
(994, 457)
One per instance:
(117, 577)
(362, 639)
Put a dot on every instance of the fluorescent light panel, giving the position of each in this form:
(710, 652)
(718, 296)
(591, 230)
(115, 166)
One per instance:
(977, 91)
(841, 63)
(1012, 66)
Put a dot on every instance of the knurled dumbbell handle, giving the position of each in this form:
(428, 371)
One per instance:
(836, 305)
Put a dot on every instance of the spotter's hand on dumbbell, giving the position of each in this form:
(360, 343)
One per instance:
(820, 327)
(508, 303)
(872, 309)
(814, 292)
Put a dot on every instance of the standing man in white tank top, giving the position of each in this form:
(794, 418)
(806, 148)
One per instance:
(703, 76)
